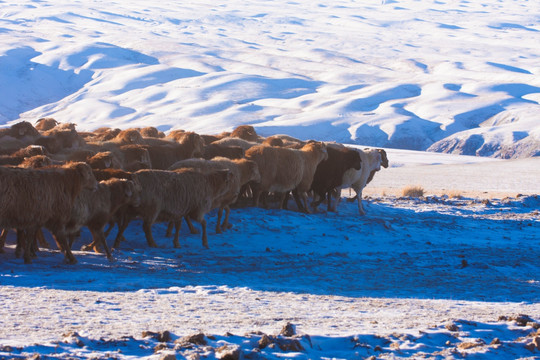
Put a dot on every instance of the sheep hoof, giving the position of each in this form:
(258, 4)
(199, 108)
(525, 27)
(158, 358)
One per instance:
(87, 247)
(110, 258)
(177, 246)
(71, 261)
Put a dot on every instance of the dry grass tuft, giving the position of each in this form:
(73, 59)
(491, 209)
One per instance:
(414, 191)
(454, 194)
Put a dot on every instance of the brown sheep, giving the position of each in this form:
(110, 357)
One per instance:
(283, 170)
(230, 152)
(243, 171)
(273, 141)
(61, 137)
(134, 157)
(246, 132)
(17, 136)
(104, 160)
(105, 134)
(18, 156)
(21, 130)
(37, 161)
(151, 131)
(128, 137)
(190, 140)
(164, 155)
(172, 195)
(45, 124)
(231, 141)
(33, 162)
(95, 208)
(208, 139)
(121, 217)
(35, 198)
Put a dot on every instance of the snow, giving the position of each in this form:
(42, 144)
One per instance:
(452, 76)
(437, 277)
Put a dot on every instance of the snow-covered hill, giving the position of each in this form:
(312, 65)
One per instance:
(453, 75)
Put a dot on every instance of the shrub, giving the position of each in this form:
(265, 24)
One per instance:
(412, 191)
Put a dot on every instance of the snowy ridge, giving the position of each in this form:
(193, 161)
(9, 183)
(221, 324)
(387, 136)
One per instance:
(451, 76)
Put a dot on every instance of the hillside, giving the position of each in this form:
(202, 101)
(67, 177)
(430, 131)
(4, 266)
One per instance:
(448, 76)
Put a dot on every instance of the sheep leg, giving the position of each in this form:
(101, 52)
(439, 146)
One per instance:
(26, 238)
(192, 229)
(147, 227)
(256, 189)
(107, 231)
(170, 226)
(329, 201)
(226, 224)
(177, 225)
(218, 223)
(204, 234)
(99, 238)
(284, 200)
(304, 198)
(299, 202)
(315, 203)
(359, 199)
(3, 237)
(21, 243)
(62, 240)
(41, 239)
(122, 226)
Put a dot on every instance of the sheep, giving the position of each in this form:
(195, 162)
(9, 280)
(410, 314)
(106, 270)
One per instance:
(63, 136)
(37, 161)
(121, 216)
(151, 131)
(22, 130)
(95, 208)
(329, 173)
(273, 141)
(105, 134)
(18, 156)
(245, 132)
(208, 139)
(127, 137)
(289, 141)
(283, 170)
(172, 195)
(104, 160)
(215, 150)
(35, 198)
(189, 140)
(232, 141)
(33, 162)
(372, 160)
(243, 171)
(45, 124)
(163, 156)
(17, 136)
(134, 157)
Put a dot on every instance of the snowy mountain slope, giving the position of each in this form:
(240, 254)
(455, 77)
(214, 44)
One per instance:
(452, 76)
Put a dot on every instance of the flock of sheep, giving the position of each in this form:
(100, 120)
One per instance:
(56, 178)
